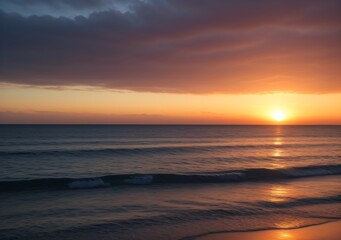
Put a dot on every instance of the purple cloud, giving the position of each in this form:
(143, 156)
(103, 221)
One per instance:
(180, 46)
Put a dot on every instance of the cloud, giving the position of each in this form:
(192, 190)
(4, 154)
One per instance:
(50, 117)
(179, 46)
(66, 8)
(56, 3)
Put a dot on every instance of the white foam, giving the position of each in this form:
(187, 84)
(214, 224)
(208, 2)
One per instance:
(89, 183)
(140, 180)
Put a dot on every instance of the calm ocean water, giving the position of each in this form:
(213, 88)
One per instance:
(165, 182)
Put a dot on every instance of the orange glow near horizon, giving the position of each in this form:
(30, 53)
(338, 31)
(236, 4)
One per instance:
(280, 65)
(20, 104)
(279, 115)
(285, 235)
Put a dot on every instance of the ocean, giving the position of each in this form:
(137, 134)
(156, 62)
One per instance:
(165, 182)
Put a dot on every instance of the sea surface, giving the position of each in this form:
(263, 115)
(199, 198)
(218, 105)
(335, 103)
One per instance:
(165, 182)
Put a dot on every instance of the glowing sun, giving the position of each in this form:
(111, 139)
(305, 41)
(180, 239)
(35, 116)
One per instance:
(278, 115)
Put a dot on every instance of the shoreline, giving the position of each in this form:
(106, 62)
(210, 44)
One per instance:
(330, 230)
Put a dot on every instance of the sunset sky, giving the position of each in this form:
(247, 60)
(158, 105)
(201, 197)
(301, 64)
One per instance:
(170, 62)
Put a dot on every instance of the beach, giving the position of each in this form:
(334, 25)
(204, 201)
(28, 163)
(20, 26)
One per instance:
(330, 231)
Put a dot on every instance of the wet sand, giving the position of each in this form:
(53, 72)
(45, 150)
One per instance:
(328, 231)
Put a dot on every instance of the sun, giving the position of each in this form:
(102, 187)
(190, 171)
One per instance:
(278, 115)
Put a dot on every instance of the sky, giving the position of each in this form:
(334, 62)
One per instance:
(170, 61)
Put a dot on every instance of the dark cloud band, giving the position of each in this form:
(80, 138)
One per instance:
(180, 46)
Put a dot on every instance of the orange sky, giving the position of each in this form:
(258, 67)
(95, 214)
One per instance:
(170, 62)
(20, 104)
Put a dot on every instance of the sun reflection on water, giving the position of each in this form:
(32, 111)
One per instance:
(277, 165)
(276, 160)
(278, 193)
(277, 153)
(278, 141)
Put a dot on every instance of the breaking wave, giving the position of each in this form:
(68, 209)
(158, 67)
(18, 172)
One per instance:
(244, 175)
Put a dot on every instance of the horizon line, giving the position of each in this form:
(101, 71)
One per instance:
(159, 124)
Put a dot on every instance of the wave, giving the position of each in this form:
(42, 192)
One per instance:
(152, 150)
(243, 175)
(216, 213)
(300, 202)
(194, 237)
